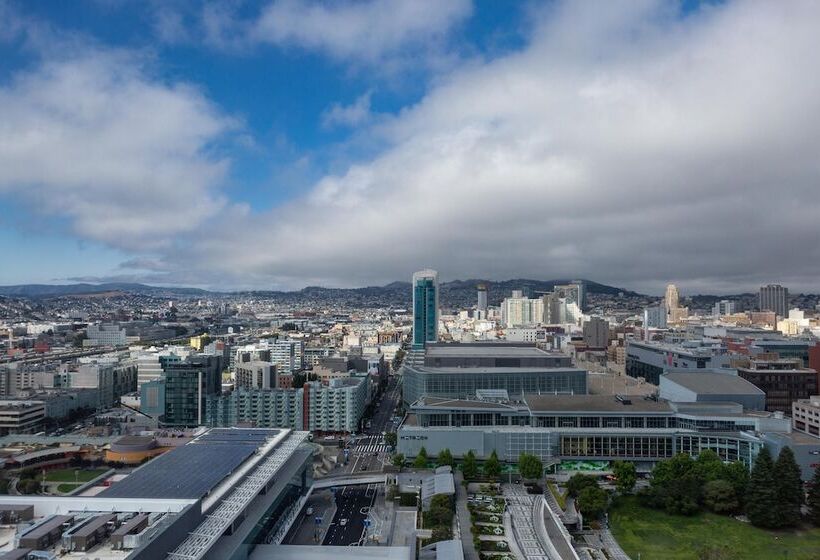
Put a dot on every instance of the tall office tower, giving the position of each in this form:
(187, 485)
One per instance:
(482, 298)
(425, 307)
(774, 297)
(672, 298)
(582, 293)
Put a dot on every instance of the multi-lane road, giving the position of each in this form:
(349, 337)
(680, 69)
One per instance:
(368, 452)
(353, 504)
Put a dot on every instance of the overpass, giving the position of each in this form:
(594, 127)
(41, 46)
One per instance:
(349, 481)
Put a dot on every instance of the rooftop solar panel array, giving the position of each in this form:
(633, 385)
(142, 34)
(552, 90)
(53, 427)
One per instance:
(237, 435)
(192, 470)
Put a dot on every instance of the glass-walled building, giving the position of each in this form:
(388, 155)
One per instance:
(459, 370)
(425, 307)
(584, 427)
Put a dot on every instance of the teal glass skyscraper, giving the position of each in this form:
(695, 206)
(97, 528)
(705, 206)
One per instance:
(425, 307)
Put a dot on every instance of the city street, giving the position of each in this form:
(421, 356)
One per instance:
(353, 504)
(368, 452)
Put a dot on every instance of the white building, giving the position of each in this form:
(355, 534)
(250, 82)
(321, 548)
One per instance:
(105, 335)
(520, 311)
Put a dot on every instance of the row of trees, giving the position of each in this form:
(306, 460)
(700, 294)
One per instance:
(439, 518)
(771, 497)
(530, 466)
(682, 485)
(775, 491)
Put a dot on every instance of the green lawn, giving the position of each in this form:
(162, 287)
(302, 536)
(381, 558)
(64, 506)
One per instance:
(654, 534)
(66, 488)
(67, 475)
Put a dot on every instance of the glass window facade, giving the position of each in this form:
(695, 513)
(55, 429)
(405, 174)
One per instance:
(618, 446)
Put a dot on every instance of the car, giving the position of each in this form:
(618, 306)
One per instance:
(309, 511)
(343, 522)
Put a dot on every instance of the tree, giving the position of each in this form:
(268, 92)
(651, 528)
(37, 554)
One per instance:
(397, 460)
(440, 511)
(470, 466)
(813, 499)
(441, 533)
(578, 482)
(789, 488)
(737, 474)
(530, 466)
(720, 497)
(675, 486)
(445, 458)
(421, 459)
(390, 439)
(492, 467)
(761, 496)
(709, 465)
(626, 476)
(592, 501)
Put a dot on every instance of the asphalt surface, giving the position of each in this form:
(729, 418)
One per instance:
(352, 504)
(369, 452)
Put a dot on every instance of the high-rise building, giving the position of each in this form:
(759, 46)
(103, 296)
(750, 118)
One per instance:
(672, 298)
(425, 307)
(520, 311)
(187, 385)
(654, 318)
(724, 307)
(582, 293)
(774, 297)
(482, 298)
(596, 332)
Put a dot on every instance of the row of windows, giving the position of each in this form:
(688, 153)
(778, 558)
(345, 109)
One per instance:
(458, 419)
(650, 447)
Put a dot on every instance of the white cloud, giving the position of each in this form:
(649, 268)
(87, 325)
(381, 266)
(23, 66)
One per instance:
(365, 31)
(624, 144)
(355, 114)
(126, 158)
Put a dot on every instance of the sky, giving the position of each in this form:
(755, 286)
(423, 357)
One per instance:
(284, 143)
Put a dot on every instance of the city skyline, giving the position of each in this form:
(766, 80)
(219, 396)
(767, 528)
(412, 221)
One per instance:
(223, 147)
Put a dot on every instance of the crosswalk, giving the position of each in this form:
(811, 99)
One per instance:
(371, 448)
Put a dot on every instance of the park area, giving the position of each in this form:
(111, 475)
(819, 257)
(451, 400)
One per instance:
(655, 534)
(69, 479)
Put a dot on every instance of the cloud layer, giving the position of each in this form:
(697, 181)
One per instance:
(125, 158)
(626, 144)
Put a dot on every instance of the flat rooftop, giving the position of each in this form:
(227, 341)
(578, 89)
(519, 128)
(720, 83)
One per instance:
(486, 350)
(714, 383)
(191, 471)
(594, 403)
(444, 402)
(502, 370)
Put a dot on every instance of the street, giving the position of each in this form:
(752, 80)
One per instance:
(368, 452)
(353, 504)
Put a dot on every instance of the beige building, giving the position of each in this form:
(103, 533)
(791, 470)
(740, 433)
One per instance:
(806, 415)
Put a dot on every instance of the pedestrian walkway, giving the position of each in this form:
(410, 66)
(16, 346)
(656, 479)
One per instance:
(520, 506)
(463, 519)
(371, 448)
(604, 539)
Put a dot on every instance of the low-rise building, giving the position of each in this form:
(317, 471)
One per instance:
(806, 415)
(21, 417)
(784, 381)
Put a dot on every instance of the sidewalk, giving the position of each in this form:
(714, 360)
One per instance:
(463, 519)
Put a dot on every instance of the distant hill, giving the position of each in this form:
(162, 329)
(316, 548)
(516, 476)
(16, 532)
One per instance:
(57, 290)
(456, 293)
